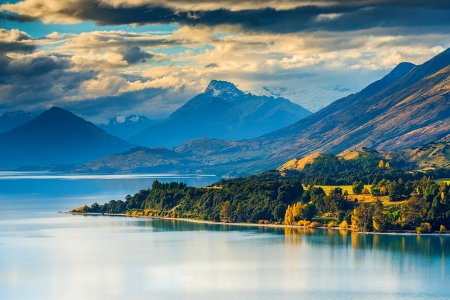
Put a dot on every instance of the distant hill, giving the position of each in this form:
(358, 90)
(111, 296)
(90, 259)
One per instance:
(222, 112)
(56, 137)
(13, 119)
(138, 160)
(299, 164)
(124, 127)
(430, 156)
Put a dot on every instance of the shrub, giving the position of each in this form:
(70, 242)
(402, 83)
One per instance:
(343, 225)
(331, 224)
(424, 228)
(304, 223)
(442, 229)
(314, 224)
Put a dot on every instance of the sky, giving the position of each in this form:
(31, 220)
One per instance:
(102, 58)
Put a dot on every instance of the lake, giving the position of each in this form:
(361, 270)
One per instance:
(46, 255)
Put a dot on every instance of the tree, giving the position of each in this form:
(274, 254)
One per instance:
(387, 165)
(288, 216)
(239, 213)
(357, 187)
(309, 211)
(381, 164)
(226, 211)
(297, 211)
(362, 218)
(395, 190)
(379, 219)
(413, 211)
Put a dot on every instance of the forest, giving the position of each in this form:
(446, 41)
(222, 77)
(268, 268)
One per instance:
(422, 205)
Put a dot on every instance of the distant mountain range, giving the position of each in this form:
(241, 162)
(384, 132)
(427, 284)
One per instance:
(13, 119)
(405, 114)
(56, 137)
(406, 109)
(124, 127)
(222, 112)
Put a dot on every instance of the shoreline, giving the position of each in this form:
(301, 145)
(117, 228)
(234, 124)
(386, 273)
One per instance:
(399, 232)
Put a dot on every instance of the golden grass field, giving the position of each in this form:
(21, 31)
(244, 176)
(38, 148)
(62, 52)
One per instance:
(361, 198)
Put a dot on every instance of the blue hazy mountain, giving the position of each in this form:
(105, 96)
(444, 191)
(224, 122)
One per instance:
(13, 119)
(124, 127)
(56, 137)
(223, 112)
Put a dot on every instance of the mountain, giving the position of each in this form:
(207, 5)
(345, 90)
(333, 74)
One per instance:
(13, 119)
(407, 108)
(222, 112)
(124, 127)
(138, 160)
(410, 106)
(56, 137)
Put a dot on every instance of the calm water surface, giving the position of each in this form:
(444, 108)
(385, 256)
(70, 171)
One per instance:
(46, 255)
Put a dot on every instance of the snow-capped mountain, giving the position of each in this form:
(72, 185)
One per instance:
(124, 127)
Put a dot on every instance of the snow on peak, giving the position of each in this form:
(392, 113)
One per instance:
(120, 119)
(218, 88)
(133, 118)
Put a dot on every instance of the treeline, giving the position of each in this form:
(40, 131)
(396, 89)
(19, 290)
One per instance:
(237, 200)
(271, 198)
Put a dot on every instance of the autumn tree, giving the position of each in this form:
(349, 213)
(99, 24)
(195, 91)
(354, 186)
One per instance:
(381, 164)
(289, 216)
(297, 211)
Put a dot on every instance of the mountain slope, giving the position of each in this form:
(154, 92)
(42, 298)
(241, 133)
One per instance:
(432, 155)
(10, 120)
(56, 137)
(124, 127)
(222, 112)
(374, 119)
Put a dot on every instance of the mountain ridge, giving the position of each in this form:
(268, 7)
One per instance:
(222, 112)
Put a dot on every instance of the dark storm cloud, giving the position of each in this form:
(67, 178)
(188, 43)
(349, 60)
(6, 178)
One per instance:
(29, 81)
(327, 15)
(7, 47)
(134, 55)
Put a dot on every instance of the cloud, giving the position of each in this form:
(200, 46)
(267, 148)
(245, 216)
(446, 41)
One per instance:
(15, 41)
(212, 65)
(258, 16)
(134, 55)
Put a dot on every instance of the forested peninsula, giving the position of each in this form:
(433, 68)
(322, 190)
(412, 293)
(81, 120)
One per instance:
(364, 198)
